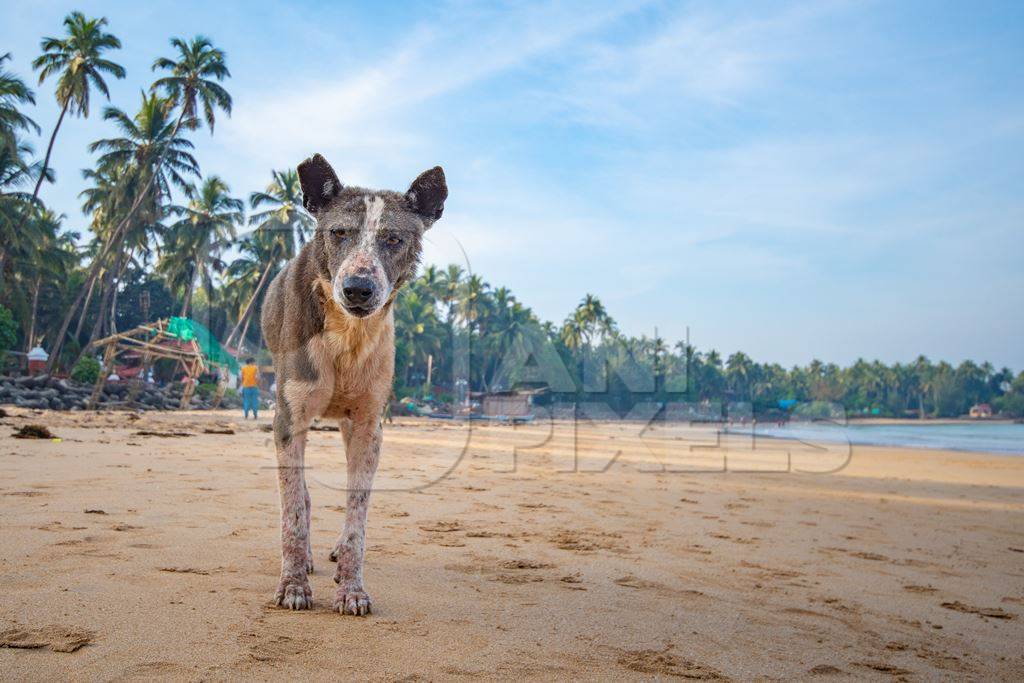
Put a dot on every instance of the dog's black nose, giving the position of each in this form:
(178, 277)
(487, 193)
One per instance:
(357, 290)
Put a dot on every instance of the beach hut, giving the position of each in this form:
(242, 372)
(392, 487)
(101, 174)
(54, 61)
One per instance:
(514, 403)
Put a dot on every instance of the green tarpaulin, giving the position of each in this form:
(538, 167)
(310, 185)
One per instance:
(187, 329)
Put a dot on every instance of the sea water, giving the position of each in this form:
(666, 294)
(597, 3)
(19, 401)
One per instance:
(986, 437)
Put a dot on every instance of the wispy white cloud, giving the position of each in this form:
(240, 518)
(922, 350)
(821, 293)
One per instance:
(370, 111)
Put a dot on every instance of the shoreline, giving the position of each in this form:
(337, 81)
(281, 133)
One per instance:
(932, 420)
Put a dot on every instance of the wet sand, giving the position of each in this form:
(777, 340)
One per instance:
(496, 554)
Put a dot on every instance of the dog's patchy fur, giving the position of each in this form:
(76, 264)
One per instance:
(329, 323)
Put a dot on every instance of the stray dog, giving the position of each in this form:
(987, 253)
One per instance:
(329, 323)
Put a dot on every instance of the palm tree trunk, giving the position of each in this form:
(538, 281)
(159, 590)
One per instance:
(35, 308)
(97, 326)
(58, 342)
(46, 160)
(85, 310)
(188, 301)
(196, 268)
(42, 172)
(245, 332)
(250, 306)
(116, 283)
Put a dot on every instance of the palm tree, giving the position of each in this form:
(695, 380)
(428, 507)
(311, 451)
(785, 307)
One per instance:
(150, 147)
(924, 374)
(196, 240)
(247, 277)
(432, 280)
(283, 227)
(572, 334)
(450, 283)
(150, 158)
(739, 371)
(78, 63)
(509, 329)
(284, 214)
(53, 257)
(13, 92)
(418, 330)
(15, 205)
(192, 81)
(113, 189)
(472, 301)
(594, 318)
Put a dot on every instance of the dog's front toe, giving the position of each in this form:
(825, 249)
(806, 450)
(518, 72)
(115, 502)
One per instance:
(353, 601)
(294, 594)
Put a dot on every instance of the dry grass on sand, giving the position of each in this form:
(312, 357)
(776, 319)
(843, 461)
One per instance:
(144, 547)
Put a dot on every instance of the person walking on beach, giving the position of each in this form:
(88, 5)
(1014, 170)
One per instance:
(250, 388)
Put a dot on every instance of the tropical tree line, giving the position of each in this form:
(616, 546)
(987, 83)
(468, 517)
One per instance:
(158, 236)
(445, 315)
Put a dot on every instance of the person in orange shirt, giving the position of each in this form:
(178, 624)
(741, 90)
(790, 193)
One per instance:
(250, 388)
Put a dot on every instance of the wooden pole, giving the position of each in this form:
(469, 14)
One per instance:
(189, 388)
(101, 380)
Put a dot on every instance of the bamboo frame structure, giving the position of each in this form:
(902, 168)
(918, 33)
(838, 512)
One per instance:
(150, 340)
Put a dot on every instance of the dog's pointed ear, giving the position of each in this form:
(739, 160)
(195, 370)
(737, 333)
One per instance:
(427, 193)
(319, 183)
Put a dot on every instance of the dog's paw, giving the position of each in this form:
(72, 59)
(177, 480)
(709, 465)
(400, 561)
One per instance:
(294, 593)
(353, 601)
(309, 564)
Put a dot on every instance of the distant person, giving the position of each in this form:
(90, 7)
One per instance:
(250, 389)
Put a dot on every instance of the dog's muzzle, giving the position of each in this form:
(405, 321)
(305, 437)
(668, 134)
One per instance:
(359, 295)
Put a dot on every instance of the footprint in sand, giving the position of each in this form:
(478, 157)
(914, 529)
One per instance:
(825, 670)
(275, 648)
(442, 527)
(663, 663)
(630, 581)
(582, 542)
(526, 564)
(54, 637)
(993, 612)
(884, 668)
(184, 570)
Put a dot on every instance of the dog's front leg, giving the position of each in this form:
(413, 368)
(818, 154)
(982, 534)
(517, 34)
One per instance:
(293, 591)
(362, 453)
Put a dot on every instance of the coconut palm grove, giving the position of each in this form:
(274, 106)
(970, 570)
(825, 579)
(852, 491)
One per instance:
(158, 236)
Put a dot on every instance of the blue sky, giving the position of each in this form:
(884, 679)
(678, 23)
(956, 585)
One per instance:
(796, 180)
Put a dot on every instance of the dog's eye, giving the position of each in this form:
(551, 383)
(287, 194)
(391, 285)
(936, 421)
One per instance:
(339, 232)
(392, 240)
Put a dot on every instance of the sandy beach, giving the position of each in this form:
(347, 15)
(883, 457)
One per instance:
(141, 546)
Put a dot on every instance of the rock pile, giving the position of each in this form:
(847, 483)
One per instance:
(46, 392)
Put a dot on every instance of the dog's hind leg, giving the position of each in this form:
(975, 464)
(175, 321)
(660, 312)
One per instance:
(362, 455)
(290, 429)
